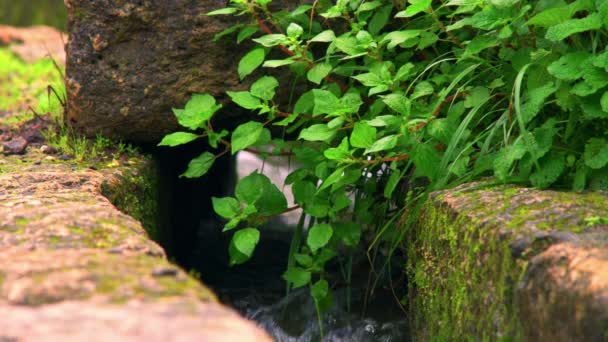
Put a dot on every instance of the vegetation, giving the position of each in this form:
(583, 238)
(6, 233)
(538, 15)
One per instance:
(391, 100)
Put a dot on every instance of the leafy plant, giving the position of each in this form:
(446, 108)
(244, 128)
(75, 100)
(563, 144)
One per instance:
(399, 98)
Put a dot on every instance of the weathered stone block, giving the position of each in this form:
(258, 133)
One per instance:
(130, 62)
(491, 262)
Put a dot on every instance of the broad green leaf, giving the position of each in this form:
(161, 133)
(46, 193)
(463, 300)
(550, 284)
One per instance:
(385, 121)
(572, 26)
(349, 233)
(596, 153)
(384, 144)
(245, 33)
(405, 72)
(479, 44)
(294, 30)
(350, 46)
(398, 37)
(325, 102)
(369, 79)
(570, 66)
(226, 207)
(506, 157)
(427, 39)
(303, 192)
(271, 40)
(536, 99)
(333, 178)
(250, 62)
(243, 245)
(318, 132)
(245, 99)
(399, 103)
(321, 294)
(551, 168)
(391, 184)
(257, 189)
(415, 7)
(318, 236)
(604, 102)
(363, 135)
(338, 153)
(426, 159)
(264, 88)
(557, 15)
(380, 19)
(319, 72)
(178, 138)
(324, 37)
(199, 109)
(199, 166)
(246, 135)
(297, 277)
(422, 89)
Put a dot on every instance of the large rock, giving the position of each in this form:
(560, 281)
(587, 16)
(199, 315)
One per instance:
(491, 262)
(130, 62)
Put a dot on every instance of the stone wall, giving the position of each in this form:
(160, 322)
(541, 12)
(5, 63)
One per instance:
(75, 268)
(493, 262)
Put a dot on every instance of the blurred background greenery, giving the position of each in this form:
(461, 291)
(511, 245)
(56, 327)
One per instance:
(33, 12)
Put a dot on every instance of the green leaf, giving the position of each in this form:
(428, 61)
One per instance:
(270, 40)
(319, 72)
(369, 79)
(246, 135)
(422, 89)
(199, 166)
(325, 102)
(387, 143)
(275, 63)
(294, 30)
(506, 157)
(199, 109)
(338, 153)
(398, 102)
(226, 207)
(426, 159)
(243, 245)
(380, 19)
(349, 233)
(245, 99)
(416, 7)
(297, 277)
(333, 178)
(251, 61)
(536, 100)
(395, 38)
(551, 168)
(178, 138)
(570, 66)
(479, 44)
(324, 37)
(303, 192)
(596, 153)
(245, 33)
(363, 135)
(564, 30)
(322, 295)
(258, 190)
(318, 236)
(318, 132)
(264, 88)
(223, 11)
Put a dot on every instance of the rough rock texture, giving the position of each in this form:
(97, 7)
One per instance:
(130, 62)
(74, 268)
(490, 262)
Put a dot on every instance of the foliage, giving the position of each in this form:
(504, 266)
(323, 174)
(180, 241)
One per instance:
(399, 98)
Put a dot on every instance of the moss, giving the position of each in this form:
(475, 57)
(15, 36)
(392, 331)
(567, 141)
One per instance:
(137, 196)
(463, 278)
